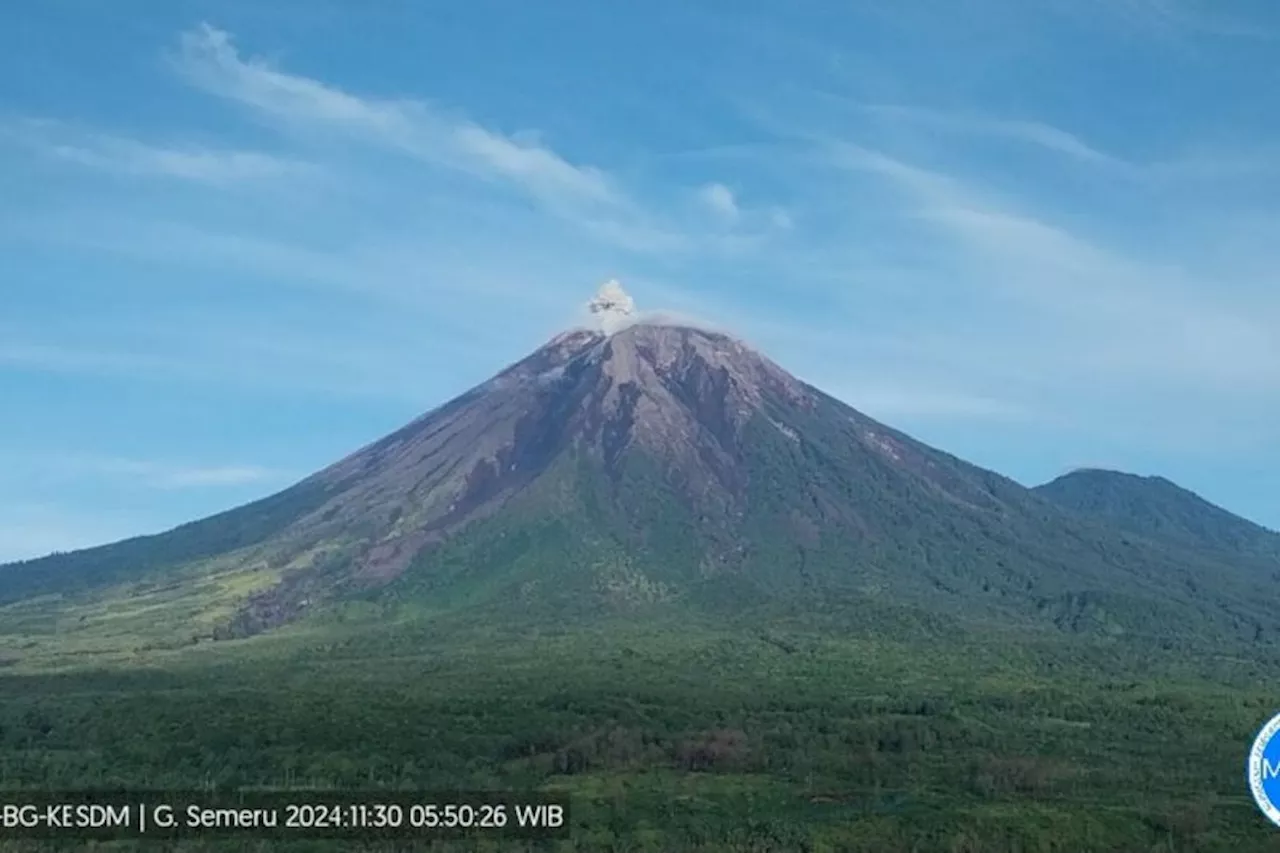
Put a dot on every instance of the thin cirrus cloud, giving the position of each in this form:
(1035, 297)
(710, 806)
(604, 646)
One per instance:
(1103, 309)
(726, 210)
(209, 58)
(157, 474)
(195, 164)
(720, 200)
(29, 530)
(131, 157)
(587, 196)
(1176, 167)
(1001, 246)
(1034, 133)
(915, 401)
(61, 359)
(1171, 18)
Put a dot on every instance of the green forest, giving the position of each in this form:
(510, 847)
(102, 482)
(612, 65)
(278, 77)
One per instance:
(674, 738)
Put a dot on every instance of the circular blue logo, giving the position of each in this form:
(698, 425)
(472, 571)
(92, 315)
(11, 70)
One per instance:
(1264, 770)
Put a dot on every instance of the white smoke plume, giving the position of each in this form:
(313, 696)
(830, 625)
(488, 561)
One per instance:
(612, 309)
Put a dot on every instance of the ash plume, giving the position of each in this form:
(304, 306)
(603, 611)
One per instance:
(611, 308)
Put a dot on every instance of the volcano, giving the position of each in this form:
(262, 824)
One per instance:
(644, 466)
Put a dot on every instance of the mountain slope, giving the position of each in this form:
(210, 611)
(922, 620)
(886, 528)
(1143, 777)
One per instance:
(665, 467)
(821, 509)
(1155, 507)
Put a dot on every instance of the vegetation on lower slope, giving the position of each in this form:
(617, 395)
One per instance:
(668, 737)
(829, 530)
(826, 533)
(93, 569)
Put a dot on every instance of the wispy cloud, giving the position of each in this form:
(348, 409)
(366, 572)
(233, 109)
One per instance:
(1112, 311)
(932, 187)
(1034, 133)
(415, 270)
(31, 527)
(1171, 18)
(1174, 166)
(906, 401)
(586, 195)
(197, 164)
(34, 530)
(169, 476)
(157, 474)
(241, 362)
(1218, 167)
(73, 360)
(218, 166)
(1090, 317)
(209, 58)
(782, 220)
(720, 200)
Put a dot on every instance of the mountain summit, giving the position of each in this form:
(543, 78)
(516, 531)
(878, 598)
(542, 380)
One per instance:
(657, 465)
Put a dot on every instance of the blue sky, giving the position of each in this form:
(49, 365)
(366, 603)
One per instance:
(242, 239)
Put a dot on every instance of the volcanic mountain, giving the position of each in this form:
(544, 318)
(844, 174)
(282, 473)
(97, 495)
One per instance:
(1158, 508)
(647, 466)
